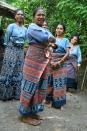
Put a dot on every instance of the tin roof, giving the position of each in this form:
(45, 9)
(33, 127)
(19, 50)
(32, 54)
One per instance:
(6, 9)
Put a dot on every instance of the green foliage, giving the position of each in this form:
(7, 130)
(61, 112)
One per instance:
(72, 12)
(84, 51)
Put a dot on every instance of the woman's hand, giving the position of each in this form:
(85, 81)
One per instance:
(59, 63)
(53, 45)
(55, 64)
(51, 40)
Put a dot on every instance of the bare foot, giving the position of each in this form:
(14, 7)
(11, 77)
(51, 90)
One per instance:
(62, 108)
(30, 121)
(46, 102)
(69, 93)
(49, 105)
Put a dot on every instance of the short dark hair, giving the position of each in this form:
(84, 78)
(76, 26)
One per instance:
(36, 10)
(63, 25)
(16, 11)
(75, 35)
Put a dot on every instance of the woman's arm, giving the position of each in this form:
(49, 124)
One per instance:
(39, 35)
(8, 34)
(79, 60)
(64, 57)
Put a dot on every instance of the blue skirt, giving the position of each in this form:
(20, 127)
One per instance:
(11, 73)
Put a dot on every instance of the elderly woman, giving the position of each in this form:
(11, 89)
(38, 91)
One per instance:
(74, 62)
(11, 72)
(2, 47)
(34, 84)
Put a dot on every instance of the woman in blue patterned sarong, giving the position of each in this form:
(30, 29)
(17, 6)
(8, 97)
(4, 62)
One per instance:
(34, 84)
(74, 63)
(11, 72)
(57, 90)
(2, 47)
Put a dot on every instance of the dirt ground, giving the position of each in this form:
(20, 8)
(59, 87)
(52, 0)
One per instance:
(72, 118)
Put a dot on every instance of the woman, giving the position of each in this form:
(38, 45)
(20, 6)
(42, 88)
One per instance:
(45, 25)
(2, 47)
(48, 53)
(11, 72)
(57, 95)
(51, 45)
(34, 84)
(73, 63)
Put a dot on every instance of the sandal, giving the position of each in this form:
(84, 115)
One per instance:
(30, 121)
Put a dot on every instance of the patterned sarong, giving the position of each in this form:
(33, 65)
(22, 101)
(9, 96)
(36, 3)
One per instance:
(72, 72)
(58, 93)
(11, 73)
(34, 85)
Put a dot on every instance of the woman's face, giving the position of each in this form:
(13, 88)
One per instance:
(74, 40)
(45, 25)
(19, 17)
(59, 30)
(39, 17)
